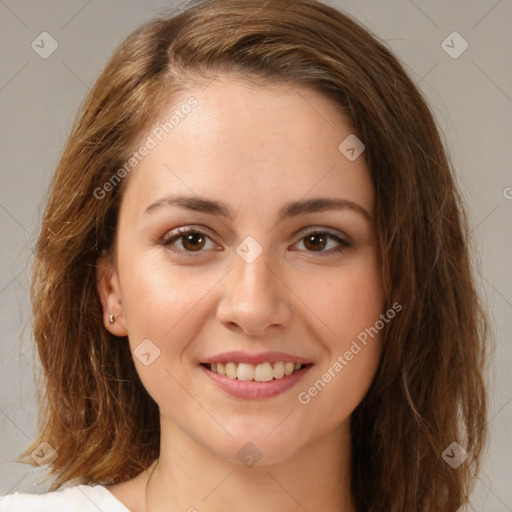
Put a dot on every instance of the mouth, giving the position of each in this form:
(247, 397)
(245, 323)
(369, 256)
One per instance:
(262, 372)
(259, 379)
(254, 375)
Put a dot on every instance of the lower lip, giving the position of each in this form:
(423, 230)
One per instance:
(252, 389)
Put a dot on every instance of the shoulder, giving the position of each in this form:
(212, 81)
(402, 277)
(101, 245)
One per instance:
(80, 498)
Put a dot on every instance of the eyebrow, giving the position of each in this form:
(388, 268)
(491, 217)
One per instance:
(288, 210)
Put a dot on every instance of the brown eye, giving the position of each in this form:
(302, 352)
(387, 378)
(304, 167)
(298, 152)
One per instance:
(192, 241)
(316, 241)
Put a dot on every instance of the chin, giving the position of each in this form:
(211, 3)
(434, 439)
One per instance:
(252, 447)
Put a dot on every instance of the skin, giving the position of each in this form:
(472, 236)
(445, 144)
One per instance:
(254, 149)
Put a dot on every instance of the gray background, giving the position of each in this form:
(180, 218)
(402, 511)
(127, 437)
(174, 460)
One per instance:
(471, 96)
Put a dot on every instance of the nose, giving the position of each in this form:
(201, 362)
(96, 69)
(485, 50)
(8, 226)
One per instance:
(255, 296)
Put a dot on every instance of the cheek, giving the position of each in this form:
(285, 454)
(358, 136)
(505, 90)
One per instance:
(351, 308)
(161, 319)
(155, 301)
(167, 305)
(350, 300)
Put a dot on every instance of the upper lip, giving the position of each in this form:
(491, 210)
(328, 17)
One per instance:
(238, 356)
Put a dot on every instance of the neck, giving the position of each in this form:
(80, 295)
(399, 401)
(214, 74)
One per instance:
(190, 477)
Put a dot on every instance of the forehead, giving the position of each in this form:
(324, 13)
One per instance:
(231, 138)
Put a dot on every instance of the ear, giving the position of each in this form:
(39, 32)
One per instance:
(107, 284)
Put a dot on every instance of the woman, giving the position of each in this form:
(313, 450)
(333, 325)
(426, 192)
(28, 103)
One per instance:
(253, 288)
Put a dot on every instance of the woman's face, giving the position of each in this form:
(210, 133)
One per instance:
(269, 268)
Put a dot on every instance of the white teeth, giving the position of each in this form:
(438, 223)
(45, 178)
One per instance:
(288, 368)
(278, 370)
(231, 370)
(263, 372)
(245, 371)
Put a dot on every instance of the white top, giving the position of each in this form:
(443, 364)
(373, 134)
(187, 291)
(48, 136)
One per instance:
(81, 498)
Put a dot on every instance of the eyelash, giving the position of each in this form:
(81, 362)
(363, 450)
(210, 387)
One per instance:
(168, 241)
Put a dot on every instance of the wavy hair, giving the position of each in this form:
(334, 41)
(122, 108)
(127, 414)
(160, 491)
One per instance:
(429, 389)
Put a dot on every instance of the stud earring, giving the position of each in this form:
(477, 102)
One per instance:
(111, 319)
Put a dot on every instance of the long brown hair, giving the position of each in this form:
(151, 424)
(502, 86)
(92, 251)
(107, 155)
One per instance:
(429, 390)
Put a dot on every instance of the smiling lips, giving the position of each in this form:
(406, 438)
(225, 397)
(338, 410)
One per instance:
(263, 367)
(263, 372)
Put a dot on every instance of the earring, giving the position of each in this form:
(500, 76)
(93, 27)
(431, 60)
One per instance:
(111, 319)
